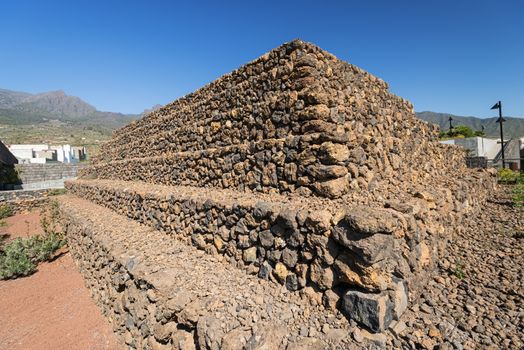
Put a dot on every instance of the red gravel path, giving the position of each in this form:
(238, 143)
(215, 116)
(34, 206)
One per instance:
(51, 309)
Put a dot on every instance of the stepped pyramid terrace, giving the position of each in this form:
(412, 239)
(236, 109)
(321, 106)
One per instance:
(271, 209)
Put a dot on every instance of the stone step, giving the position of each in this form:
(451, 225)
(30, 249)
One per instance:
(298, 242)
(203, 134)
(306, 164)
(39, 178)
(236, 98)
(43, 173)
(160, 293)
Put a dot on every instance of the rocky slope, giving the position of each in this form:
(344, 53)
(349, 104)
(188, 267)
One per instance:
(476, 301)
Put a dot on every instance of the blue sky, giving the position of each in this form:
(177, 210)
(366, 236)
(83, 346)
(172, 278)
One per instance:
(455, 56)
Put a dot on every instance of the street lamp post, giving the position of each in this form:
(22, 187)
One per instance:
(501, 120)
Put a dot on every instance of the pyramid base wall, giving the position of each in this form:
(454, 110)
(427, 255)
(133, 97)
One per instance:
(369, 277)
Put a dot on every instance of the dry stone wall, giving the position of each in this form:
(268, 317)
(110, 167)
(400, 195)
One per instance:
(285, 242)
(369, 256)
(26, 200)
(159, 294)
(300, 168)
(296, 119)
(30, 173)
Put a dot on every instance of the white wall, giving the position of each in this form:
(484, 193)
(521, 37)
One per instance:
(22, 153)
(479, 146)
(36, 147)
(65, 154)
(59, 153)
(37, 160)
(26, 153)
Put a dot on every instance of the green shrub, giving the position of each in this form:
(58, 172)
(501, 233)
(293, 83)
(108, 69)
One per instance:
(9, 175)
(460, 131)
(14, 260)
(21, 256)
(56, 192)
(458, 271)
(517, 195)
(5, 211)
(508, 176)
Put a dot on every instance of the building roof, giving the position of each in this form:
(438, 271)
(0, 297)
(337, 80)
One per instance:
(6, 157)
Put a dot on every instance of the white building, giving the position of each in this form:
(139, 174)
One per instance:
(478, 146)
(491, 150)
(42, 153)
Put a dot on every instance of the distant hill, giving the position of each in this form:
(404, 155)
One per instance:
(513, 127)
(54, 117)
(24, 108)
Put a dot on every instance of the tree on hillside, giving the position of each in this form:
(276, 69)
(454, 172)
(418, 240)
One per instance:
(460, 131)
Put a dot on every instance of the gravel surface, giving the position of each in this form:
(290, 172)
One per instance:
(476, 300)
(51, 309)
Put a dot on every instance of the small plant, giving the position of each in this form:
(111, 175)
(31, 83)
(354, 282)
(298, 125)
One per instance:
(459, 270)
(517, 195)
(5, 211)
(3, 224)
(56, 192)
(508, 176)
(50, 219)
(14, 261)
(21, 256)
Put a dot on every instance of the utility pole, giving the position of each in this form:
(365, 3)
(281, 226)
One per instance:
(450, 125)
(500, 121)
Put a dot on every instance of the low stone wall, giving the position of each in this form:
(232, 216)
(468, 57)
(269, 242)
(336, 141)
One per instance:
(368, 256)
(310, 164)
(29, 173)
(477, 162)
(161, 294)
(128, 297)
(23, 200)
(270, 166)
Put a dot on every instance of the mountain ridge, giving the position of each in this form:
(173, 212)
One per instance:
(21, 107)
(513, 127)
(56, 118)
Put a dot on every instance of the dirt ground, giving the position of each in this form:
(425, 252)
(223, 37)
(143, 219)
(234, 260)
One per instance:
(22, 225)
(51, 309)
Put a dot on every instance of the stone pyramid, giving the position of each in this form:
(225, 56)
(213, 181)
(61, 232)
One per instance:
(299, 168)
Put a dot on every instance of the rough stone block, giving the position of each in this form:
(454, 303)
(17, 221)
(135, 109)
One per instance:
(374, 311)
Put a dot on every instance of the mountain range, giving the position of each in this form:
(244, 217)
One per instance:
(24, 108)
(55, 117)
(513, 127)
